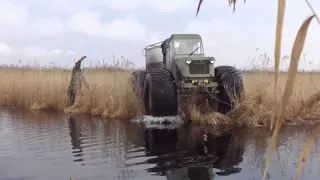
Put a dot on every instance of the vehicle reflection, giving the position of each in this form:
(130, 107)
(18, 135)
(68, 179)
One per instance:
(193, 152)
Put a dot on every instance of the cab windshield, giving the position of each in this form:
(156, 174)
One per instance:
(187, 46)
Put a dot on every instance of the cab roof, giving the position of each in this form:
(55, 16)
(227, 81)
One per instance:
(185, 36)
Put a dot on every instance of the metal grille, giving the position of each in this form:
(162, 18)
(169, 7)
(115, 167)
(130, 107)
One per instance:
(199, 68)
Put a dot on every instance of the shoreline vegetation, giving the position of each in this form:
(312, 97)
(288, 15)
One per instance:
(281, 107)
(111, 95)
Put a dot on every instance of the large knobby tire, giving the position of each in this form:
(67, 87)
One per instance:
(230, 86)
(137, 82)
(160, 93)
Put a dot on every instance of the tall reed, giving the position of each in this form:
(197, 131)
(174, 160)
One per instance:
(111, 95)
(295, 56)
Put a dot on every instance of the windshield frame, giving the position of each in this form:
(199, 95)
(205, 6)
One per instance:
(197, 43)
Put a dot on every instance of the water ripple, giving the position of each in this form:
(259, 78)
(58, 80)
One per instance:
(50, 145)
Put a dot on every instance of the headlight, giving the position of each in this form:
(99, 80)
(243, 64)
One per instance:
(188, 60)
(212, 60)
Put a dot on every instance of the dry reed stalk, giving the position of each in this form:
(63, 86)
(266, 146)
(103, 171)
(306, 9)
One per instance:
(295, 56)
(214, 118)
(112, 95)
(279, 27)
(313, 11)
(277, 52)
(257, 107)
(310, 102)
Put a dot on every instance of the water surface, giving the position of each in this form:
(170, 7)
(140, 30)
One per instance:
(52, 146)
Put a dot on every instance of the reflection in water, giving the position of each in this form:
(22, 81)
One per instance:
(75, 134)
(119, 149)
(190, 153)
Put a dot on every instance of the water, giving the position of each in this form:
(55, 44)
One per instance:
(39, 145)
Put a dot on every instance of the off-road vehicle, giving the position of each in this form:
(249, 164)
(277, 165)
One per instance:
(176, 67)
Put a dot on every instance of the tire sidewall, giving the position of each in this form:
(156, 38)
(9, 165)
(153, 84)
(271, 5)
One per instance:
(224, 83)
(148, 95)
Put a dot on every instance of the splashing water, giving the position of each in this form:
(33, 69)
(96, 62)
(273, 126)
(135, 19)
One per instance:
(159, 122)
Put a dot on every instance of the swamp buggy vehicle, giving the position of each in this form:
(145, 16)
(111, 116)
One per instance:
(177, 68)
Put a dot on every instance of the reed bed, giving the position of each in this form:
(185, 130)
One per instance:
(280, 107)
(111, 95)
(257, 107)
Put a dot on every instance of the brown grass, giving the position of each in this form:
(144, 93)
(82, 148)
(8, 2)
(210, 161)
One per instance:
(291, 77)
(111, 95)
(256, 110)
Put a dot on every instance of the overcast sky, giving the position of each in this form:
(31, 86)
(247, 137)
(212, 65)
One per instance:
(61, 30)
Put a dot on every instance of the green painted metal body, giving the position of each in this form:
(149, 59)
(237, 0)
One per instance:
(174, 53)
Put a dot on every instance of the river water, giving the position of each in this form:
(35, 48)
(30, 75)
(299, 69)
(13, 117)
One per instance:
(52, 146)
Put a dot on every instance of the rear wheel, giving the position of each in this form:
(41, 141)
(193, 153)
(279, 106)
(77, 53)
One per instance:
(160, 93)
(230, 86)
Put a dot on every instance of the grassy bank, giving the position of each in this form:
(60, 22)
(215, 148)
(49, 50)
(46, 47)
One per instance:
(281, 110)
(256, 110)
(111, 95)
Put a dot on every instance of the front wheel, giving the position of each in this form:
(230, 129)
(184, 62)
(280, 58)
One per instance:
(160, 93)
(230, 86)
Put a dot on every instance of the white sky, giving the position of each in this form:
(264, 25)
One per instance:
(60, 31)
